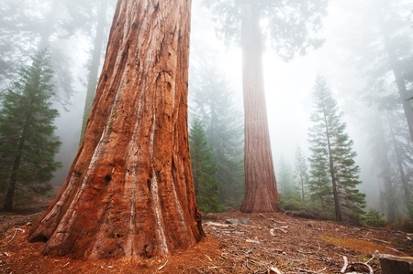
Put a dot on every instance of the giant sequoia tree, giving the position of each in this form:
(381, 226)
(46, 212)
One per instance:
(100, 35)
(130, 190)
(292, 27)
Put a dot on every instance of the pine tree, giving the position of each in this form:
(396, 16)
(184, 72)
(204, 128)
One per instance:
(319, 178)
(352, 201)
(285, 178)
(301, 172)
(334, 174)
(27, 140)
(214, 105)
(204, 169)
(288, 28)
(289, 194)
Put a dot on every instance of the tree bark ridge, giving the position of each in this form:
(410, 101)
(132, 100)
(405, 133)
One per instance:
(130, 190)
(260, 193)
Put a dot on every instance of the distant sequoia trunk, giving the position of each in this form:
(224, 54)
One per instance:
(130, 190)
(95, 61)
(260, 192)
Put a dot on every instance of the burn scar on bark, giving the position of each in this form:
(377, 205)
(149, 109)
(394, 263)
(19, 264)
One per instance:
(160, 231)
(132, 180)
(156, 205)
(179, 208)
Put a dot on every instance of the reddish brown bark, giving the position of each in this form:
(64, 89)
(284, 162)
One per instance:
(260, 183)
(130, 190)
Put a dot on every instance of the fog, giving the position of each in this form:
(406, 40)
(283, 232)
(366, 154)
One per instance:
(352, 59)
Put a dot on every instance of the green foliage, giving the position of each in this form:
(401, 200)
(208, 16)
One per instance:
(204, 170)
(213, 104)
(291, 203)
(331, 147)
(27, 138)
(374, 218)
(29, 26)
(293, 26)
(320, 181)
(285, 179)
(301, 173)
(384, 58)
(290, 198)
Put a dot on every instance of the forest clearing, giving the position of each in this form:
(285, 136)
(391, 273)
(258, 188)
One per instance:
(236, 243)
(206, 136)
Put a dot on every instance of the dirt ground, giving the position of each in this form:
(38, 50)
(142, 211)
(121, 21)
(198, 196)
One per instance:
(236, 243)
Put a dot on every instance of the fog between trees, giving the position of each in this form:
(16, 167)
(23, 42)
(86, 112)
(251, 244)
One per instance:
(363, 50)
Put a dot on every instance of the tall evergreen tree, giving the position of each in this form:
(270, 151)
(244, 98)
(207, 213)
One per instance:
(286, 181)
(334, 174)
(289, 194)
(384, 53)
(301, 172)
(213, 104)
(204, 169)
(293, 27)
(27, 140)
(391, 151)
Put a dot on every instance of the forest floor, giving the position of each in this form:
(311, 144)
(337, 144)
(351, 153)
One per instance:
(235, 243)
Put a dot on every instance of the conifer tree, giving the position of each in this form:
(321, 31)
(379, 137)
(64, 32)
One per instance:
(289, 194)
(319, 180)
(334, 174)
(301, 172)
(27, 139)
(285, 177)
(204, 169)
(214, 105)
(293, 27)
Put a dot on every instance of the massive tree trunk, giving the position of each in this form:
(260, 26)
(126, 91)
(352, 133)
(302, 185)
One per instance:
(260, 192)
(130, 190)
(95, 61)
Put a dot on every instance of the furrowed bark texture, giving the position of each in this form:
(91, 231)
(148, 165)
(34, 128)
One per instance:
(260, 192)
(130, 190)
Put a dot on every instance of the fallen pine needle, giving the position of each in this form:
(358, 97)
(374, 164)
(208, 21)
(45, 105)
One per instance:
(275, 270)
(345, 266)
(252, 241)
(14, 235)
(163, 266)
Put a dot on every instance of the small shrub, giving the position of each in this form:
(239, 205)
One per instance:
(290, 203)
(374, 218)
